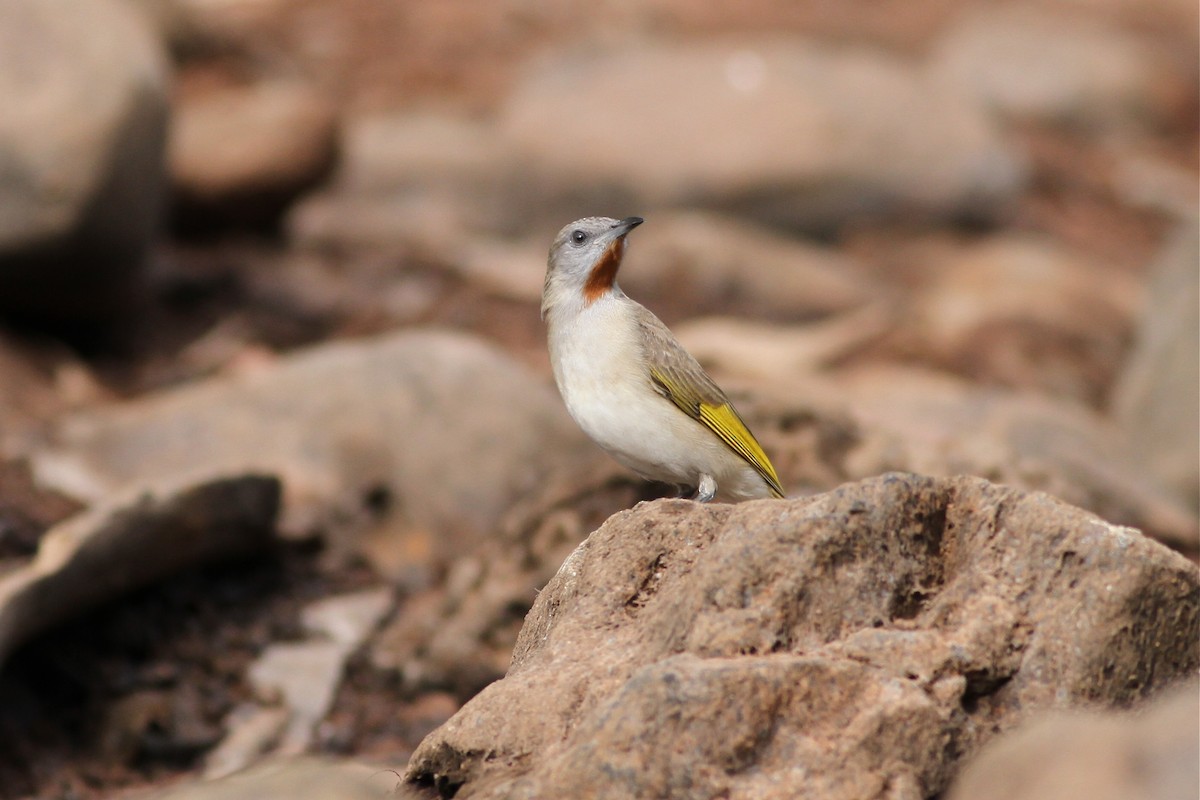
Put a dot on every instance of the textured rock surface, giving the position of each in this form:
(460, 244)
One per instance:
(130, 541)
(1113, 756)
(856, 644)
(83, 87)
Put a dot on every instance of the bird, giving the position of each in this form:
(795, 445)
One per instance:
(631, 386)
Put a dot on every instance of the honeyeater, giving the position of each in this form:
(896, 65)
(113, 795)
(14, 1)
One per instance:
(629, 383)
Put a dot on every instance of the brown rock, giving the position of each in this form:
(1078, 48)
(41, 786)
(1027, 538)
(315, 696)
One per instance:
(769, 354)
(242, 155)
(916, 421)
(82, 133)
(417, 179)
(310, 778)
(1030, 61)
(709, 263)
(131, 540)
(784, 130)
(852, 645)
(1159, 389)
(1024, 312)
(1112, 756)
(440, 428)
(387, 152)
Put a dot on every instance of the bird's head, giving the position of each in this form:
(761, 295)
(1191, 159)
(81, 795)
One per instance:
(584, 259)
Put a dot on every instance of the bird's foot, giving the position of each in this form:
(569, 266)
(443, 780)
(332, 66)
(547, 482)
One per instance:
(707, 489)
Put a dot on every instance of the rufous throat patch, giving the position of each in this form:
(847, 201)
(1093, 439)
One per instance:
(601, 278)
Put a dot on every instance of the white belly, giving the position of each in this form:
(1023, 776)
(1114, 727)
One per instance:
(600, 372)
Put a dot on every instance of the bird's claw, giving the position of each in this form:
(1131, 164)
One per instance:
(707, 489)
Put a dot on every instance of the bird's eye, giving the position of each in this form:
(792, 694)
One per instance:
(579, 237)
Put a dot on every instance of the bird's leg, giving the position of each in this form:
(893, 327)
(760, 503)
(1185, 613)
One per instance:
(707, 489)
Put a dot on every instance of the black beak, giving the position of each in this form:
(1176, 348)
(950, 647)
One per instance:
(626, 225)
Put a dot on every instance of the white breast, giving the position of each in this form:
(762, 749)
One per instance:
(601, 373)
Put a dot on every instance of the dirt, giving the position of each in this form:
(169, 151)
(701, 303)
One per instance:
(134, 693)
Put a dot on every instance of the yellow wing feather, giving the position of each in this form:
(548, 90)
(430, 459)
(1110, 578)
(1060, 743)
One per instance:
(682, 380)
(720, 417)
(727, 423)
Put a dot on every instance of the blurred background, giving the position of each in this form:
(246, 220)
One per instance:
(937, 235)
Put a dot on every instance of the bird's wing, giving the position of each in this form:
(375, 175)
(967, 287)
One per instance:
(680, 378)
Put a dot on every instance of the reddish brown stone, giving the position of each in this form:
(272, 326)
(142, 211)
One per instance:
(855, 644)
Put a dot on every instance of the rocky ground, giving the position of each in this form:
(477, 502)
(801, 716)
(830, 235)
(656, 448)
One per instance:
(289, 504)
